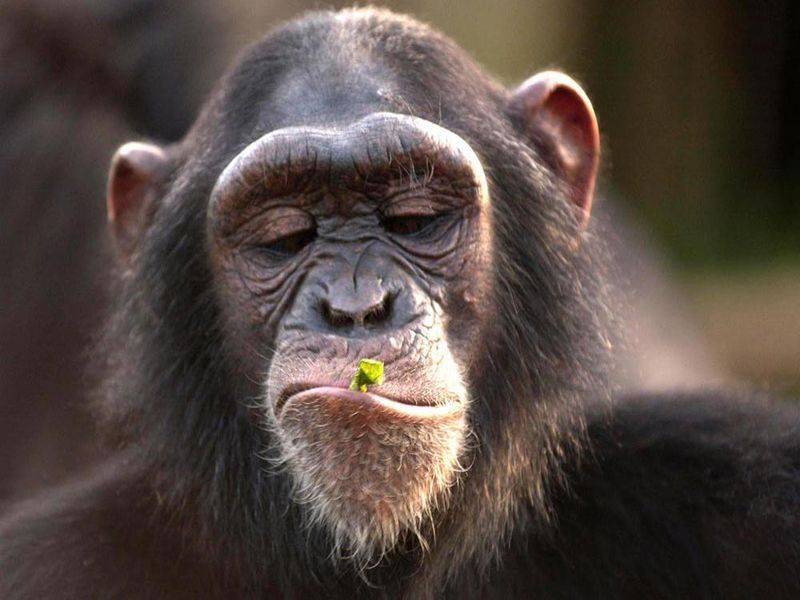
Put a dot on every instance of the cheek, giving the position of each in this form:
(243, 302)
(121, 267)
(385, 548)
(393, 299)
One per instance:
(241, 338)
(467, 310)
(249, 300)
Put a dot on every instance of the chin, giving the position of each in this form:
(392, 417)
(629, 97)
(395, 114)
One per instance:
(368, 468)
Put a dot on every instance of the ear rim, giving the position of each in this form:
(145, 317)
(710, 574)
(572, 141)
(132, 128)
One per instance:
(528, 101)
(136, 172)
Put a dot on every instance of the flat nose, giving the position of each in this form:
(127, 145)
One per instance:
(369, 309)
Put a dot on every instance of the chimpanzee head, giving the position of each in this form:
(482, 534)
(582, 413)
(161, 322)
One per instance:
(357, 188)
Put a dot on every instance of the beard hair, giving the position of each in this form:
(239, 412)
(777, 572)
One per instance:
(368, 485)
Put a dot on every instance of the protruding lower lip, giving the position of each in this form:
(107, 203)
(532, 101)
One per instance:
(369, 398)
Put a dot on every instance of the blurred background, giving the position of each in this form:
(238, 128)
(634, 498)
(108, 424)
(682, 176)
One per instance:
(698, 103)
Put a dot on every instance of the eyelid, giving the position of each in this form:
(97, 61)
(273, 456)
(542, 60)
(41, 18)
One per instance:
(286, 222)
(425, 201)
(436, 225)
(409, 208)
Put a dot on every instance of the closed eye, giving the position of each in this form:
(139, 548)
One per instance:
(412, 225)
(291, 244)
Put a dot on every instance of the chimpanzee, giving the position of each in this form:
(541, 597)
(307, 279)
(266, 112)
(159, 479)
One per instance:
(357, 187)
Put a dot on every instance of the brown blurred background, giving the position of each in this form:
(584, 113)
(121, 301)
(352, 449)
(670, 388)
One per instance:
(698, 104)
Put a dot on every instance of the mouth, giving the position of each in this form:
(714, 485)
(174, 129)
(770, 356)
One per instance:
(365, 401)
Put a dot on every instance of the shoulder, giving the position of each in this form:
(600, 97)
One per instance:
(712, 455)
(96, 536)
(689, 493)
(714, 435)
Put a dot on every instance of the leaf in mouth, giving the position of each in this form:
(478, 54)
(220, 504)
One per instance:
(370, 372)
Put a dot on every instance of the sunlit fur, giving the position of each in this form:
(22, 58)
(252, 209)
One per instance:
(368, 483)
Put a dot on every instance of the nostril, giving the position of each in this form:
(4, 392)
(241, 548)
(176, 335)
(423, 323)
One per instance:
(379, 313)
(334, 318)
(372, 316)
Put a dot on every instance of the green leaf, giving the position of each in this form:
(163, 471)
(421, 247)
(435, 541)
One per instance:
(370, 372)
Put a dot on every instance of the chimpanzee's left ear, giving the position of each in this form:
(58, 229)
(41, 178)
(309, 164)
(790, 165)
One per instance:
(138, 171)
(557, 116)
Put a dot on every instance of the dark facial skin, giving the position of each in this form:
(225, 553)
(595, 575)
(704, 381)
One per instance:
(333, 246)
(369, 240)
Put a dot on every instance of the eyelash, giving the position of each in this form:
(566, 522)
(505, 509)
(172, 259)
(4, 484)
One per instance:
(412, 225)
(291, 244)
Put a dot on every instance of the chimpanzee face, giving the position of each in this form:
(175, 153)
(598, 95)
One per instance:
(364, 241)
(349, 215)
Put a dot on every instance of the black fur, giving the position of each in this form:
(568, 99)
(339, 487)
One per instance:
(568, 494)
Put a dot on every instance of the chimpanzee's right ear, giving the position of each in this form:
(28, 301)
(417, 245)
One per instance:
(138, 171)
